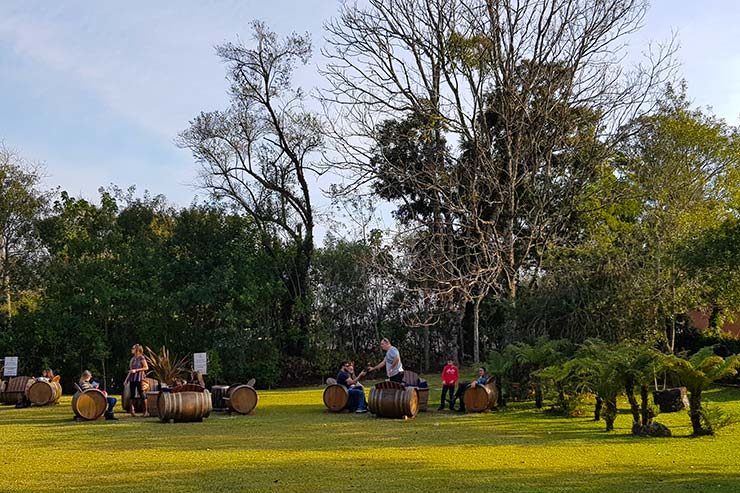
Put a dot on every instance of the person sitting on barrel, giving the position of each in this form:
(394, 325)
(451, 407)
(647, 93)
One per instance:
(481, 380)
(346, 377)
(46, 376)
(392, 362)
(86, 383)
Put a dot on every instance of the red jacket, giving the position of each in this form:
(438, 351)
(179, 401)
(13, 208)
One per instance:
(450, 375)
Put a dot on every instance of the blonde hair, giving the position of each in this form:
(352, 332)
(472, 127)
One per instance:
(86, 374)
(138, 349)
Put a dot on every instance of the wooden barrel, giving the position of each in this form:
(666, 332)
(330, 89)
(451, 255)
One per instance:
(423, 398)
(15, 389)
(480, 398)
(43, 393)
(89, 404)
(152, 399)
(393, 400)
(184, 406)
(218, 393)
(336, 397)
(242, 399)
(138, 403)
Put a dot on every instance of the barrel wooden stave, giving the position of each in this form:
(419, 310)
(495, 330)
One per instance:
(184, 406)
(394, 402)
(218, 393)
(138, 403)
(423, 399)
(89, 404)
(15, 389)
(151, 403)
(43, 393)
(336, 397)
(242, 399)
(480, 398)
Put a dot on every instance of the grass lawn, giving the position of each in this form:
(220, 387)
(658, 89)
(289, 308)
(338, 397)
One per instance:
(292, 444)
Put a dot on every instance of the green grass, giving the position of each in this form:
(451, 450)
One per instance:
(293, 444)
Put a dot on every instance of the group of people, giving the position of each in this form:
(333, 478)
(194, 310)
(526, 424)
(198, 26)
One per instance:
(452, 390)
(450, 377)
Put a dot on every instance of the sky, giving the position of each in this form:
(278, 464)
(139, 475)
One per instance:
(98, 91)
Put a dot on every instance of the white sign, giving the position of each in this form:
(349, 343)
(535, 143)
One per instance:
(11, 366)
(200, 363)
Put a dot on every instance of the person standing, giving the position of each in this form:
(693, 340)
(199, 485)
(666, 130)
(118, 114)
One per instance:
(450, 376)
(137, 369)
(392, 362)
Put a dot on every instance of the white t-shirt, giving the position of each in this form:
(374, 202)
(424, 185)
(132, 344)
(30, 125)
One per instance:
(390, 355)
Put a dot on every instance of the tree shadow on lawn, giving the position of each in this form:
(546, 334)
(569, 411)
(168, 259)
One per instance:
(388, 474)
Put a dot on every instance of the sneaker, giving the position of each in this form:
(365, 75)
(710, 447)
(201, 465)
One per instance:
(361, 411)
(111, 418)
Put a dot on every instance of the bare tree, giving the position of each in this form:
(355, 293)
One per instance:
(258, 153)
(21, 205)
(521, 100)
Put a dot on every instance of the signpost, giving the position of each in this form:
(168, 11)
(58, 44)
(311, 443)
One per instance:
(11, 366)
(200, 363)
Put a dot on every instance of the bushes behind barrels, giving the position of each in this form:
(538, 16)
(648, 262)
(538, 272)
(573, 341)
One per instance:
(43, 393)
(184, 406)
(393, 400)
(89, 404)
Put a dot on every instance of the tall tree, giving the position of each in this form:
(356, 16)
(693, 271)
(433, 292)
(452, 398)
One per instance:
(258, 154)
(520, 102)
(22, 204)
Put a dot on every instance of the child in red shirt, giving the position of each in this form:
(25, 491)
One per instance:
(450, 376)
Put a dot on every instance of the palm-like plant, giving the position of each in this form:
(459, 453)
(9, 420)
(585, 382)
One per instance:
(543, 353)
(167, 368)
(595, 368)
(498, 365)
(697, 373)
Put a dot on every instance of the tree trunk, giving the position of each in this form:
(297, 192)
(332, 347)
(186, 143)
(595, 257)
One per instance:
(538, 395)
(476, 333)
(610, 412)
(629, 389)
(695, 411)
(597, 408)
(645, 408)
(426, 349)
(501, 401)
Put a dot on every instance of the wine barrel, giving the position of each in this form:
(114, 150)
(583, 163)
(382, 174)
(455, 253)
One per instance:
(89, 404)
(336, 397)
(423, 398)
(242, 399)
(43, 393)
(218, 392)
(15, 389)
(393, 400)
(184, 406)
(138, 403)
(480, 398)
(151, 403)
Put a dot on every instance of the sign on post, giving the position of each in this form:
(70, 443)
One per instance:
(200, 363)
(11, 366)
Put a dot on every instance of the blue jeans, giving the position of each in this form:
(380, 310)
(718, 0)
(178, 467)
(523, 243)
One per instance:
(111, 404)
(356, 399)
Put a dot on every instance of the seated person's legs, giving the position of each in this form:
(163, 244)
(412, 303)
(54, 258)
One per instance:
(357, 396)
(111, 404)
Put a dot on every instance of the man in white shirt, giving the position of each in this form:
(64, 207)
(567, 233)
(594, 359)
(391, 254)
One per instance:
(392, 362)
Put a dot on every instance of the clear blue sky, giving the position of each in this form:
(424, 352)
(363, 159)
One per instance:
(98, 90)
